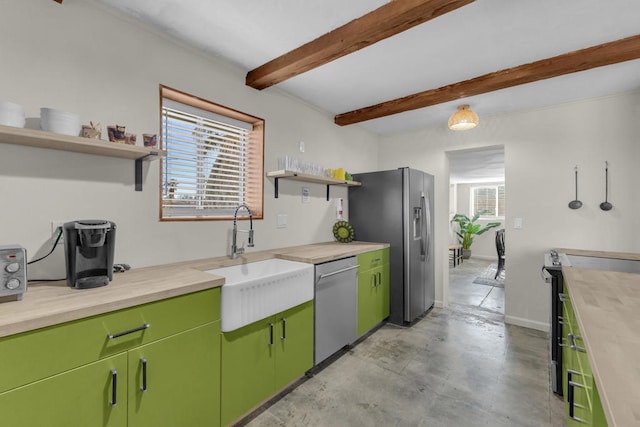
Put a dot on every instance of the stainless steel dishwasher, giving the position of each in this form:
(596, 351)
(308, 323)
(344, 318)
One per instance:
(335, 306)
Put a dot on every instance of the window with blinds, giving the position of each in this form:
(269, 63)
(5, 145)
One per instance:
(214, 159)
(489, 200)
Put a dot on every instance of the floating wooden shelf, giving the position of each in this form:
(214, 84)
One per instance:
(297, 176)
(76, 144)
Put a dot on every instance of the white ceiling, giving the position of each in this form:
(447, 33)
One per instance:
(481, 165)
(485, 36)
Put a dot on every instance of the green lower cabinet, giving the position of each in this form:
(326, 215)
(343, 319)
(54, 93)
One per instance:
(176, 381)
(80, 397)
(373, 289)
(294, 340)
(582, 401)
(64, 375)
(259, 359)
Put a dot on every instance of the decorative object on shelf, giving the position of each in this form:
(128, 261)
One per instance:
(149, 140)
(575, 204)
(463, 119)
(130, 138)
(343, 232)
(62, 122)
(606, 206)
(116, 133)
(11, 114)
(468, 229)
(92, 131)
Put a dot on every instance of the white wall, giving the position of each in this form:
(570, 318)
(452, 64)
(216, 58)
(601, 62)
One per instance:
(541, 148)
(84, 58)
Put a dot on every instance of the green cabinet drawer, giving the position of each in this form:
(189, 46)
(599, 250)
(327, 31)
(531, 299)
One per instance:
(373, 259)
(44, 352)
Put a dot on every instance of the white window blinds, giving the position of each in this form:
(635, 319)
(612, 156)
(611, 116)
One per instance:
(488, 200)
(210, 165)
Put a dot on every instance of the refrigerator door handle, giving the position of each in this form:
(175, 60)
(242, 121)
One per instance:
(426, 227)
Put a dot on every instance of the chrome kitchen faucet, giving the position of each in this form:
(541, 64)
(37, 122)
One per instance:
(235, 250)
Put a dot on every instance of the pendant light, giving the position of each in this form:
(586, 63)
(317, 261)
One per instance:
(463, 119)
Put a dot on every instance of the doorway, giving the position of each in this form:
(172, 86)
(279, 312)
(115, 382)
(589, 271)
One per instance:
(477, 184)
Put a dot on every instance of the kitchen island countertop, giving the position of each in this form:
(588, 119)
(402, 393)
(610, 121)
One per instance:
(50, 303)
(607, 308)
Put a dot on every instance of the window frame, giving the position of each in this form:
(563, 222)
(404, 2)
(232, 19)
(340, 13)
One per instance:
(254, 176)
(495, 186)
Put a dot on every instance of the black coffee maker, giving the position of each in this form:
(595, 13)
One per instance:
(89, 247)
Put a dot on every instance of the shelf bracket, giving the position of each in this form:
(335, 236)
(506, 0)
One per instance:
(138, 170)
(275, 183)
(328, 186)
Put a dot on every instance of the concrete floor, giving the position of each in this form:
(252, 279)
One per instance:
(462, 290)
(459, 366)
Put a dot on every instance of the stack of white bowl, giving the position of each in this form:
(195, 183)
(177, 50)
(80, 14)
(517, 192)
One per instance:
(58, 121)
(11, 114)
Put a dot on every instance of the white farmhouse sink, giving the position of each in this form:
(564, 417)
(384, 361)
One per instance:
(260, 289)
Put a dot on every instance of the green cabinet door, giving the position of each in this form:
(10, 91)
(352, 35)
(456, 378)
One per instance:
(373, 289)
(366, 301)
(176, 381)
(247, 368)
(294, 341)
(382, 290)
(80, 397)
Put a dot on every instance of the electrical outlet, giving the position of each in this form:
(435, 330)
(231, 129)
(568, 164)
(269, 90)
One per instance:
(54, 231)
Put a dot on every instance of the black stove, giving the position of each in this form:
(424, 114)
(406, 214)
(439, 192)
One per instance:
(552, 273)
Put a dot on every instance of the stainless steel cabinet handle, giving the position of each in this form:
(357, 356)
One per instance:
(571, 396)
(379, 278)
(143, 360)
(130, 331)
(270, 334)
(375, 281)
(284, 329)
(560, 342)
(572, 343)
(561, 320)
(564, 297)
(342, 270)
(114, 388)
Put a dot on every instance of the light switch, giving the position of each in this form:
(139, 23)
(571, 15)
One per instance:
(281, 220)
(517, 223)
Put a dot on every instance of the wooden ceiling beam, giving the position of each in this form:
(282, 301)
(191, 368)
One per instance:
(390, 19)
(622, 50)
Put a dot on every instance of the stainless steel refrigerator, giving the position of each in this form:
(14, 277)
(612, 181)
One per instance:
(396, 207)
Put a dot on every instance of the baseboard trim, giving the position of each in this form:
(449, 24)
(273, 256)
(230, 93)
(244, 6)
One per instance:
(438, 304)
(527, 323)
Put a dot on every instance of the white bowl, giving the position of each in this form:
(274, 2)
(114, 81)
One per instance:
(11, 114)
(62, 122)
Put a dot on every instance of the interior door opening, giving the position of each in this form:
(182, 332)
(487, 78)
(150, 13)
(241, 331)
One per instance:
(477, 185)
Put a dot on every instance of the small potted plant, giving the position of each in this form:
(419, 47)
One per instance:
(468, 229)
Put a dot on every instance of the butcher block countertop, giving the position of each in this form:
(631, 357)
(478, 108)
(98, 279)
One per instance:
(601, 254)
(50, 303)
(607, 308)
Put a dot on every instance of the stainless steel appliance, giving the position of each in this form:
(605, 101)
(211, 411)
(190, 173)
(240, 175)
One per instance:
(396, 207)
(552, 272)
(335, 306)
(89, 248)
(13, 271)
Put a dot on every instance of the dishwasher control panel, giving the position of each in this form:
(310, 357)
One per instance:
(13, 270)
